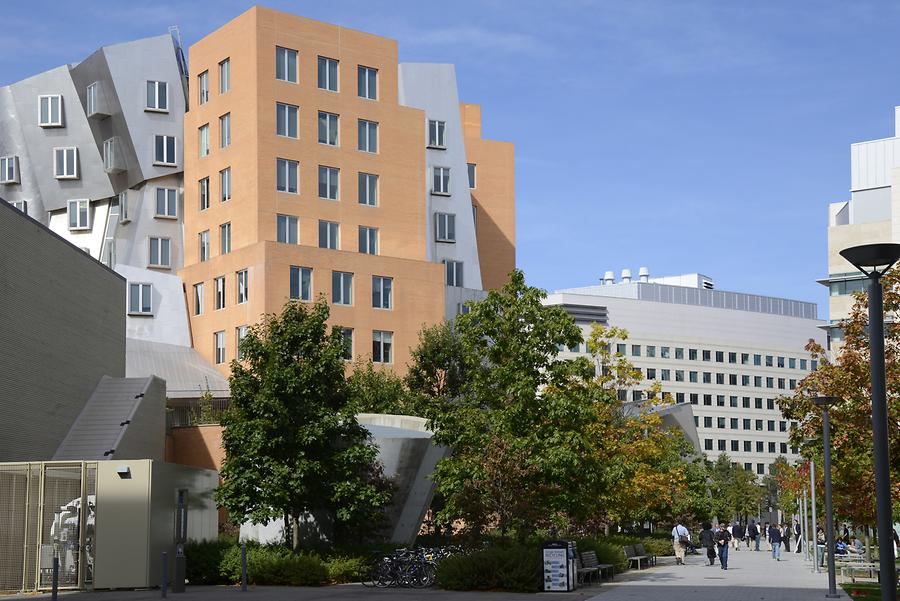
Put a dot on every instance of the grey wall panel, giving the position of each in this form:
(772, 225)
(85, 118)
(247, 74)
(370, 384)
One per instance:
(61, 330)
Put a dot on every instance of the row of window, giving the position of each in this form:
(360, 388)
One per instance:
(382, 345)
(50, 106)
(746, 423)
(328, 73)
(745, 403)
(665, 352)
(79, 210)
(706, 377)
(224, 81)
(761, 447)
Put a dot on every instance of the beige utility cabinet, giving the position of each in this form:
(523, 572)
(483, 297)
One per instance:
(137, 503)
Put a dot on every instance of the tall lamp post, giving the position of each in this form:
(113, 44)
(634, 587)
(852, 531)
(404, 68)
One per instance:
(868, 259)
(824, 402)
(814, 537)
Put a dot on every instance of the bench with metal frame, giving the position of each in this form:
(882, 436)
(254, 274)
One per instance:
(632, 556)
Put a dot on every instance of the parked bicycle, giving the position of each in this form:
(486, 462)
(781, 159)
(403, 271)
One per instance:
(410, 568)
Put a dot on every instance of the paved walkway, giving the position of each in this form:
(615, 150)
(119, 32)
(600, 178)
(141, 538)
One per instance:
(751, 576)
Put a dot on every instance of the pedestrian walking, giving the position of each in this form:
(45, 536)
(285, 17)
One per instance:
(764, 534)
(753, 534)
(681, 538)
(786, 538)
(708, 542)
(737, 535)
(722, 540)
(797, 536)
(775, 542)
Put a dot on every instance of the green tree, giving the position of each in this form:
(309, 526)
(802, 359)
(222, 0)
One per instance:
(292, 443)
(734, 490)
(377, 390)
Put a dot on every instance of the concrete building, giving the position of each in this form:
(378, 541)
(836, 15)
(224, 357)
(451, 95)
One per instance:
(316, 165)
(871, 215)
(728, 355)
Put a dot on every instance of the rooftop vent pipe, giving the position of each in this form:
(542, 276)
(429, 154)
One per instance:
(644, 274)
(609, 278)
(626, 276)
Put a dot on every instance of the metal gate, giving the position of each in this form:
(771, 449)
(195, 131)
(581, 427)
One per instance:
(47, 510)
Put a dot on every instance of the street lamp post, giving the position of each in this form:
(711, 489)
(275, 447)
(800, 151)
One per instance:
(825, 402)
(868, 259)
(814, 537)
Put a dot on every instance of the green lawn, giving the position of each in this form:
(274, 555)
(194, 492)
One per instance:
(864, 591)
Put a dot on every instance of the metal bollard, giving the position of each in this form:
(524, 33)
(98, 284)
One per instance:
(164, 585)
(244, 567)
(54, 592)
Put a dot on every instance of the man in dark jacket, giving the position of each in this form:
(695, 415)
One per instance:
(722, 540)
(737, 533)
(775, 541)
(708, 542)
(753, 534)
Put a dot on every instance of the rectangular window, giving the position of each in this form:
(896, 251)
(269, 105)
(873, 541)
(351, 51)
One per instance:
(720, 379)
(50, 111)
(93, 98)
(203, 136)
(707, 400)
(436, 134)
(287, 229)
(665, 375)
(79, 214)
(341, 288)
(679, 375)
(769, 360)
(368, 189)
(203, 238)
(445, 227)
(757, 381)
(746, 423)
(720, 356)
(707, 377)
(225, 238)
(721, 445)
(225, 184)
(758, 424)
(301, 283)
(328, 74)
(198, 299)
(347, 333)
(286, 120)
(471, 175)
(285, 64)
(367, 82)
(165, 152)
(203, 87)
(692, 376)
(745, 402)
(65, 163)
(735, 446)
(113, 161)
(707, 356)
(9, 170)
(454, 273)
(140, 299)
(381, 346)
(733, 423)
(329, 235)
(732, 357)
(745, 359)
(708, 444)
(441, 181)
(157, 96)
(733, 401)
(203, 193)
(802, 363)
(219, 340)
(770, 383)
(651, 350)
(368, 136)
(368, 240)
(243, 286)
(679, 353)
(694, 397)
(745, 380)
(732, 379)
(620, 349)
(167, 203)
(757, 360)
(160, 252)
(651, 373)
(21, 205)
(720, 400)
(225, 130)
(382, 297)
(329, 178)
(664, 352)
(240, 333)
(220, 292)
(328, 128)
(692, 354)
(224, 76)
(286, 175)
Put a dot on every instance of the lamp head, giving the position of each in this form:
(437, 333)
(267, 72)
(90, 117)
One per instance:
(825, 401)
(869, 257)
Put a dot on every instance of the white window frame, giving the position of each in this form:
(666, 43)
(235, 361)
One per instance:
(289, 116)
(368, 240)
(203, 243)
(170, 203)
(92, 98)
(338, 289)
(328, 85)
(199, 290)
(124, 214)
(242, 278)
(203, 88)
(240, 332)
(367, 136)
(50, 121)
(332, 234)
(382, 292)
(203, 140)
(290, 74)
(144, 292)
(166, 160)
(69, 162)
(347, 333)
(225, 130)
(300, 271)
(454, 273)
(112, 162)
(441, 177)
(9, 169)
(158, 90)
(472, 172)
(382, 340)
(219, 289)
(225, 184)
(332, 122)
(288, 166)
(437, 134)
(445, 227)
(82, 208)
(203, 193)
(161, 245)
(224, 75)
(225, 238)
(21, 205)
(332, 182)
(367, 194)
(219, 346)
(290, 225)
(362, 82)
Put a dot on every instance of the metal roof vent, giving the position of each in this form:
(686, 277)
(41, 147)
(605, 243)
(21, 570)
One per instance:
(644, 274)
(626, 276)
(609, 278)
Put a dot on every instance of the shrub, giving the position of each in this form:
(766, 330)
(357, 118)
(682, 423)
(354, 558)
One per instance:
(274, 565)
(343, 569)
(607, 552)
(507, 567)
(203, 559)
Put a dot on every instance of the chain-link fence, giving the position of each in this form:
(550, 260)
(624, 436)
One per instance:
(47, 511)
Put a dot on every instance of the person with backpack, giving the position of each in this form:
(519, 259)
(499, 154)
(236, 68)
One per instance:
(737, 533)
(797, 536)
(708, 541)
(775, 541)
(723, 537)
(681, 538)
(753, 533)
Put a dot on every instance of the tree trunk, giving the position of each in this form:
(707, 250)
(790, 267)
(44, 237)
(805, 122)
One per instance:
(295, 532)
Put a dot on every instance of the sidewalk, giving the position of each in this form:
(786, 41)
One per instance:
(750, 575)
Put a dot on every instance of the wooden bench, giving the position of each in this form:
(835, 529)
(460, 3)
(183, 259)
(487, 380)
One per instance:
(590, 562)
(586, 572)
(632, 556)
(639, 550)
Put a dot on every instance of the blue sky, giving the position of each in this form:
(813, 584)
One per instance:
(682, 135)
